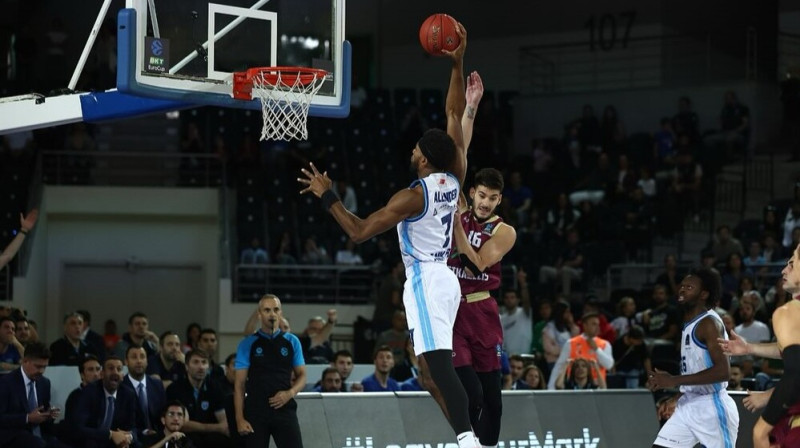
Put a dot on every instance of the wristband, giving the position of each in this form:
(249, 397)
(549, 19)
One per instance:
(328, 199)
(23, 231)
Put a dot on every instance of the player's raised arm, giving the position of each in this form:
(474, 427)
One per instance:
(455, 104)
(473, 95)
(404, 204)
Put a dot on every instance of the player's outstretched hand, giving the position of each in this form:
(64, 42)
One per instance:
(735, 346)
(474, 90)
(315, 181)
(755, 402)
(458, 53)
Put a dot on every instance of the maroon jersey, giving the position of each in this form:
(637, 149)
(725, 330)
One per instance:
(477, 233)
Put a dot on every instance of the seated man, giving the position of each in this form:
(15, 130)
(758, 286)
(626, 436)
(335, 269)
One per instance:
(380, 380)
(90, 371)
(207, 425)
(331, 381)
(150, 393)
(105, 415)
(70, 350)
(568, 266)
(315, 340)
(11, 349)
(167, 364)
(173, 419)
(26, 418)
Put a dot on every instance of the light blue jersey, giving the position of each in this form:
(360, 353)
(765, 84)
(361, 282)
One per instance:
(695, 357)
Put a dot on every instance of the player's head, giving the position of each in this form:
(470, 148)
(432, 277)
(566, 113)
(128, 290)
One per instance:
(487, 192)
(435, 151)
(791, 276)
(701, 287)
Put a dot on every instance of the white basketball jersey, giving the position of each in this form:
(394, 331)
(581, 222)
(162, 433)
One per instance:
(695, 357)
(428, 236)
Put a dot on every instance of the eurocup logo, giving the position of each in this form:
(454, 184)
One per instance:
(284, 351)
(259, 350)
(156, 47)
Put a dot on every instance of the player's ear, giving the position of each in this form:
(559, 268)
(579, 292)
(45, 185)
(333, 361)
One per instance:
(472, 192)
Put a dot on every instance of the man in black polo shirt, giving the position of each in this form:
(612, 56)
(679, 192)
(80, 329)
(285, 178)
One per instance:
(70, 350)
(167, 364)
(206, 426)
(264, 364)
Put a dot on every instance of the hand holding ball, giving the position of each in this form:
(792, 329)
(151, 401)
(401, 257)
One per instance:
(439, 32)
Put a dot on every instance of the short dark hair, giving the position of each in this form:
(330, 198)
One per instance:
(196, 352)
(736, 364)
(165, 334)
(86, 359)
(113, 358)
(87, 316)
(490, 178)
(438, 147)
(709, 282)
(345, 353)
(135, 315)
(134, 347)
(72, 314)
(173, 404)
(516, 357)
(590, 315)
(36, 350)
(228, 359)
(382, 348)
(329, 370)
(208, 331)
(9, 319)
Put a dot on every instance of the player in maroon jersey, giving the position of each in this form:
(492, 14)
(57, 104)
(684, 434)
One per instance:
(482, 239)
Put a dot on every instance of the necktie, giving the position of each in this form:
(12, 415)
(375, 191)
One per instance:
(143, 403)
(33, 405)
(109, 414)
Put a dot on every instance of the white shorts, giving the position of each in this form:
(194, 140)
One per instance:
(711, 420)
(431, 296)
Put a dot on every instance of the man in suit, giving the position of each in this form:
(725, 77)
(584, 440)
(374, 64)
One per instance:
(92, 338)
(150, 393)
(90, 371)
(105, 416)
(70, 350)
(26, 418)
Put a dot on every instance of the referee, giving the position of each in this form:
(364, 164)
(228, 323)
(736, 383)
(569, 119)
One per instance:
(264, 364)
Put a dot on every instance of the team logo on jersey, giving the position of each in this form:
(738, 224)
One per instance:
(284, 351)
(499, 349)
(259, 351)
(204, 405)
(442, 181)
(488, 229)
(435, 211)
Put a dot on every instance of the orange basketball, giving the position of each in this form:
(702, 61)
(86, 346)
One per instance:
(437, 33)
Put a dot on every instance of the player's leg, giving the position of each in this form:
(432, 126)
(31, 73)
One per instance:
(463, 357)
(472, 386)
(443, 374)
(716, 425)
(426, 382)
(492, 412)
(676, 432)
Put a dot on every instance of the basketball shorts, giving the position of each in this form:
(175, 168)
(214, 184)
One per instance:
(478, 336)
(431, 295)
(786, 432)
(711, 420)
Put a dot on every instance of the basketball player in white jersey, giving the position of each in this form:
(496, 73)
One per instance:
(705, 413)
(423, 215)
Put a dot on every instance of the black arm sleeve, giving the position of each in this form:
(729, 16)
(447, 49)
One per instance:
(787, 392)
(467, 263)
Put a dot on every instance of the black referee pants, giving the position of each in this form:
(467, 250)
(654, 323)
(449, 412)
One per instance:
(280, 424)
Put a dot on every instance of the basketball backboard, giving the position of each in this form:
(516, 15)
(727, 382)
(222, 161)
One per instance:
(188, 50)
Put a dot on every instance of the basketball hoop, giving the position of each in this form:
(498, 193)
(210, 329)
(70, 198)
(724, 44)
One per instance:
(285, 94)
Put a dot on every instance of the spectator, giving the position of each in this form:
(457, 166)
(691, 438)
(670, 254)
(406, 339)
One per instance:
(389, 298)
(587, 346)
(90, 370)
(192, 335)
(670, 277)
(773, 252)
(776, 296)
(754, 258)
(626, 316)
(612, 131)
(408, 369)
(110, 336)
(254, 254)
(771, 222)
(331, 381)
(532, 379)
(207, 425)
(516, 320)
(749, 328)
(315, 339)
(26, 418)
(687, 181)
(631, 359)
(314, 254)
(283, 251)
(647, 183)
(138, 334)
(735, 126)
(580, 374)
(208, 344)
(732, 276)
(150, 393)
(24, 332)
(664, 145)
(685, 121)
(347, 194)
(544, 315)
(105, 415)
(380, 381)
(735, 381)
(226, 385)
(173, 418)
(91, 337)
(70, 350)
(594, 187)
(395, 338)
(592, 306)
(562, 218)
(725, 244)
(557, 332)
(348, 255)
(26, 224)
(791, 222)
(626, 177)
(518, 196)
(343, 361)
(11, 350)
(568, 266)
(516, 364)
(167, 365)
(660, 321)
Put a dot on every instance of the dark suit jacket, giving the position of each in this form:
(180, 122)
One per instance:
(95, 340)
(91, 410)
(14, 405)
(156, 399)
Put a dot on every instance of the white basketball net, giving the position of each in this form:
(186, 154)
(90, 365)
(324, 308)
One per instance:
(285, 106)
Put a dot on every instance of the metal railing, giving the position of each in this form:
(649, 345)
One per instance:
(304, 283)
(132, 169)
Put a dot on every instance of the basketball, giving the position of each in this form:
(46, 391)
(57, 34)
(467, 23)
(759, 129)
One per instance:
(437, 33)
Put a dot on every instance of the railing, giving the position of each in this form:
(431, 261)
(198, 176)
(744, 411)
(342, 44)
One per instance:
(132, 169)
(304, 283)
